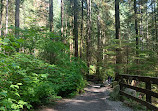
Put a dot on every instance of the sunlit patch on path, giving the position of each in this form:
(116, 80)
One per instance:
(92, 100)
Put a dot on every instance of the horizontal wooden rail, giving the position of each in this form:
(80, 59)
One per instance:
(153, 80)
(149, 105)
(147, 91)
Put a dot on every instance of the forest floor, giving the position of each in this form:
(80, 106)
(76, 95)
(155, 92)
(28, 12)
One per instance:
(94, 99)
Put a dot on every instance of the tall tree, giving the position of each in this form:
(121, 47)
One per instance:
(88, 40)
(155, 22)
(7, 3)
(51, 15)
(76, 27)
(17, 12)
(141, 26)
(99, 56)
(62, 19)
(117, 29)
(81, 32)
(136, 29)
(1, 16)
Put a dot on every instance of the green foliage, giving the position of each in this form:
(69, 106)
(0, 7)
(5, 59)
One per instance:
(27, 77)
(114, 95)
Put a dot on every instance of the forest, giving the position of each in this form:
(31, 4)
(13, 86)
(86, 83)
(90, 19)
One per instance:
(50, 49)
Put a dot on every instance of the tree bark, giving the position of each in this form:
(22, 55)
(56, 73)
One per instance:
(152, 23)
(1, 17)
(76, 27)
(51, 15)
(136, 30)
(117, 19)
(17, 21)
(88, 40)
(99, 56)
(66, 25)
(147, 28)
(71, 39)
(62, 19)
(155, 18)
(7, 3)
(81, 33)
(117, 29)
(141, 26)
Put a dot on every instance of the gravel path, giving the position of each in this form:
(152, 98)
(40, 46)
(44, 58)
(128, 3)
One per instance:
(95, 99)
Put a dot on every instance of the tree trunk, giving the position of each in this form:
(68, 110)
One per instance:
(66, 25)
(62, 19)
(99, 56)
(117, 28)
(88, 40)
(7, 3)
(155, 18)
(152, 23)
(51, 15)
(136, 30)
(141, 26)
(147, 28)
(17, 12)
(76, 27)
(81, 33)
(71, 39)
(1, 17)
(117, 19)
(104, 56)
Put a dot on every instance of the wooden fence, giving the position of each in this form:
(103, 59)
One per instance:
(147, 90)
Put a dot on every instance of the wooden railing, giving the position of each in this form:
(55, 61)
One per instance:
(147, 90)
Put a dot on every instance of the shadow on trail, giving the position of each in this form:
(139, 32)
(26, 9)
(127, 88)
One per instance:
(92, 100)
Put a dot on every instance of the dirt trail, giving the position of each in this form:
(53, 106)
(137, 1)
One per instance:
(92, 100)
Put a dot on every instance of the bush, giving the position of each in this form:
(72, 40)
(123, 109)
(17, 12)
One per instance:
(114, 95)
(27, 81)
(36, 77)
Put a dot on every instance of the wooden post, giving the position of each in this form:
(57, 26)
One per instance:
(148, 96)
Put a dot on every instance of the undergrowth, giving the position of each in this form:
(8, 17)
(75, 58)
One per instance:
(28, 78)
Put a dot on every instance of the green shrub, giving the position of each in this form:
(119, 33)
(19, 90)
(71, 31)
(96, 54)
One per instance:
(32, 78)
(114, 95)
(27, 81)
